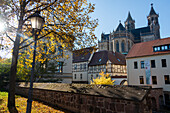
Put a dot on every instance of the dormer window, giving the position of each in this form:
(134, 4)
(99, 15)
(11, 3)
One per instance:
(155, 49)
(158, 48)
(166, 47)
(161, 48)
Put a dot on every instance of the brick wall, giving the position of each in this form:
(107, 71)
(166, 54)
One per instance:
(82, 103)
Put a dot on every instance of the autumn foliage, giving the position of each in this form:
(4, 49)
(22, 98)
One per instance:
(21, 105)
(104, 79)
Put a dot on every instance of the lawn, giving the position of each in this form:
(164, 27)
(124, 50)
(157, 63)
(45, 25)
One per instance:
(21, 104)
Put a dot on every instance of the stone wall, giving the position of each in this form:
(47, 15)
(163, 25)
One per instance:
(157, 98)
(85, 103)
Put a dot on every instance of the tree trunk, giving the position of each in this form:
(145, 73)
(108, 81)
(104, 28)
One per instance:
(12, 80)
(13, 71)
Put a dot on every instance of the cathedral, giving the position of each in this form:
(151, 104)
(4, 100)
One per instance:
(123, 38)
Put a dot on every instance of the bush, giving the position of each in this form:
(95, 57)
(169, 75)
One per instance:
(4, 74)
(105, 79)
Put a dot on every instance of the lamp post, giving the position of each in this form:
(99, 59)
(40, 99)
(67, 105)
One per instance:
(36, 22)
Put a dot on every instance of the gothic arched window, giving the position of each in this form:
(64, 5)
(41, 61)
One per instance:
(123, 46)
(117, 46)
(128, 45)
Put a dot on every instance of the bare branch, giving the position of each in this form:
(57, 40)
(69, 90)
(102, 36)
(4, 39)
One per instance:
(33, 41)
(9, 37)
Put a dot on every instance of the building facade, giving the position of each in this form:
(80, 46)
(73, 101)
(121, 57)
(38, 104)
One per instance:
(81, 59)
(122, 39)
(109, 62)
(57, 67)
(148, 64)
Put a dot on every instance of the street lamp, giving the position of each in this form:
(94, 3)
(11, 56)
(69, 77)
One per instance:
(36, 22)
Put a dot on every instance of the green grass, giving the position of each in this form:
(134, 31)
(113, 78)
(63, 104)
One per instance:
(3, 95)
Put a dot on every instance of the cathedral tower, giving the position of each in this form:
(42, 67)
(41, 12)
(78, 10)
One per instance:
(153, 22)
(129, 23)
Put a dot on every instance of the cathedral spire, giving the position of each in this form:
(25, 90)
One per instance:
(152, 11)
(153, 22)
(129, 18)
(129, 23)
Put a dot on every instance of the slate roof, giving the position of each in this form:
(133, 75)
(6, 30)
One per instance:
(146, 48)
(137, 32)
(133, 93)
(120, 27)
(105, 37)
(129, 18)
(82, 55)
(101, 58)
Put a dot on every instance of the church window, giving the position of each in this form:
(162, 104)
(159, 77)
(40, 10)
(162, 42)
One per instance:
(117, 46)
(123, 46)
(128, 45)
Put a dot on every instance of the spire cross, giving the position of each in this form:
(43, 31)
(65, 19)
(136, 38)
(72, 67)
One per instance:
(151, 4)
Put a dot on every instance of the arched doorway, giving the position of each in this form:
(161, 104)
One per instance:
(161, 101)
(154, 108)
(123, 82)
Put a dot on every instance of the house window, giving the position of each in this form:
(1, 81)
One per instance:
(142, 64)
(166, 77)
(75, 76)
(85, 66)
(91, 77)
(94, 68)
(154, 80)
(81, 76)
(141, 79)
(153, 64)
(163, 62)
(97, 75)
(60, 51)
(166, 47)
(99, 68)
(75, 66)
(135, 65)
(80, 66)
(59, 68)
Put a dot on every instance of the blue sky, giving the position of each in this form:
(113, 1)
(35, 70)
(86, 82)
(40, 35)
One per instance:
(109, 12)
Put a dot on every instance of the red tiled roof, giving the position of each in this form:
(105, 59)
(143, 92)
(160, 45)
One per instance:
(146, 48)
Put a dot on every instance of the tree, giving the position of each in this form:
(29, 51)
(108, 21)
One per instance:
(105, 79)
(66, 22)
